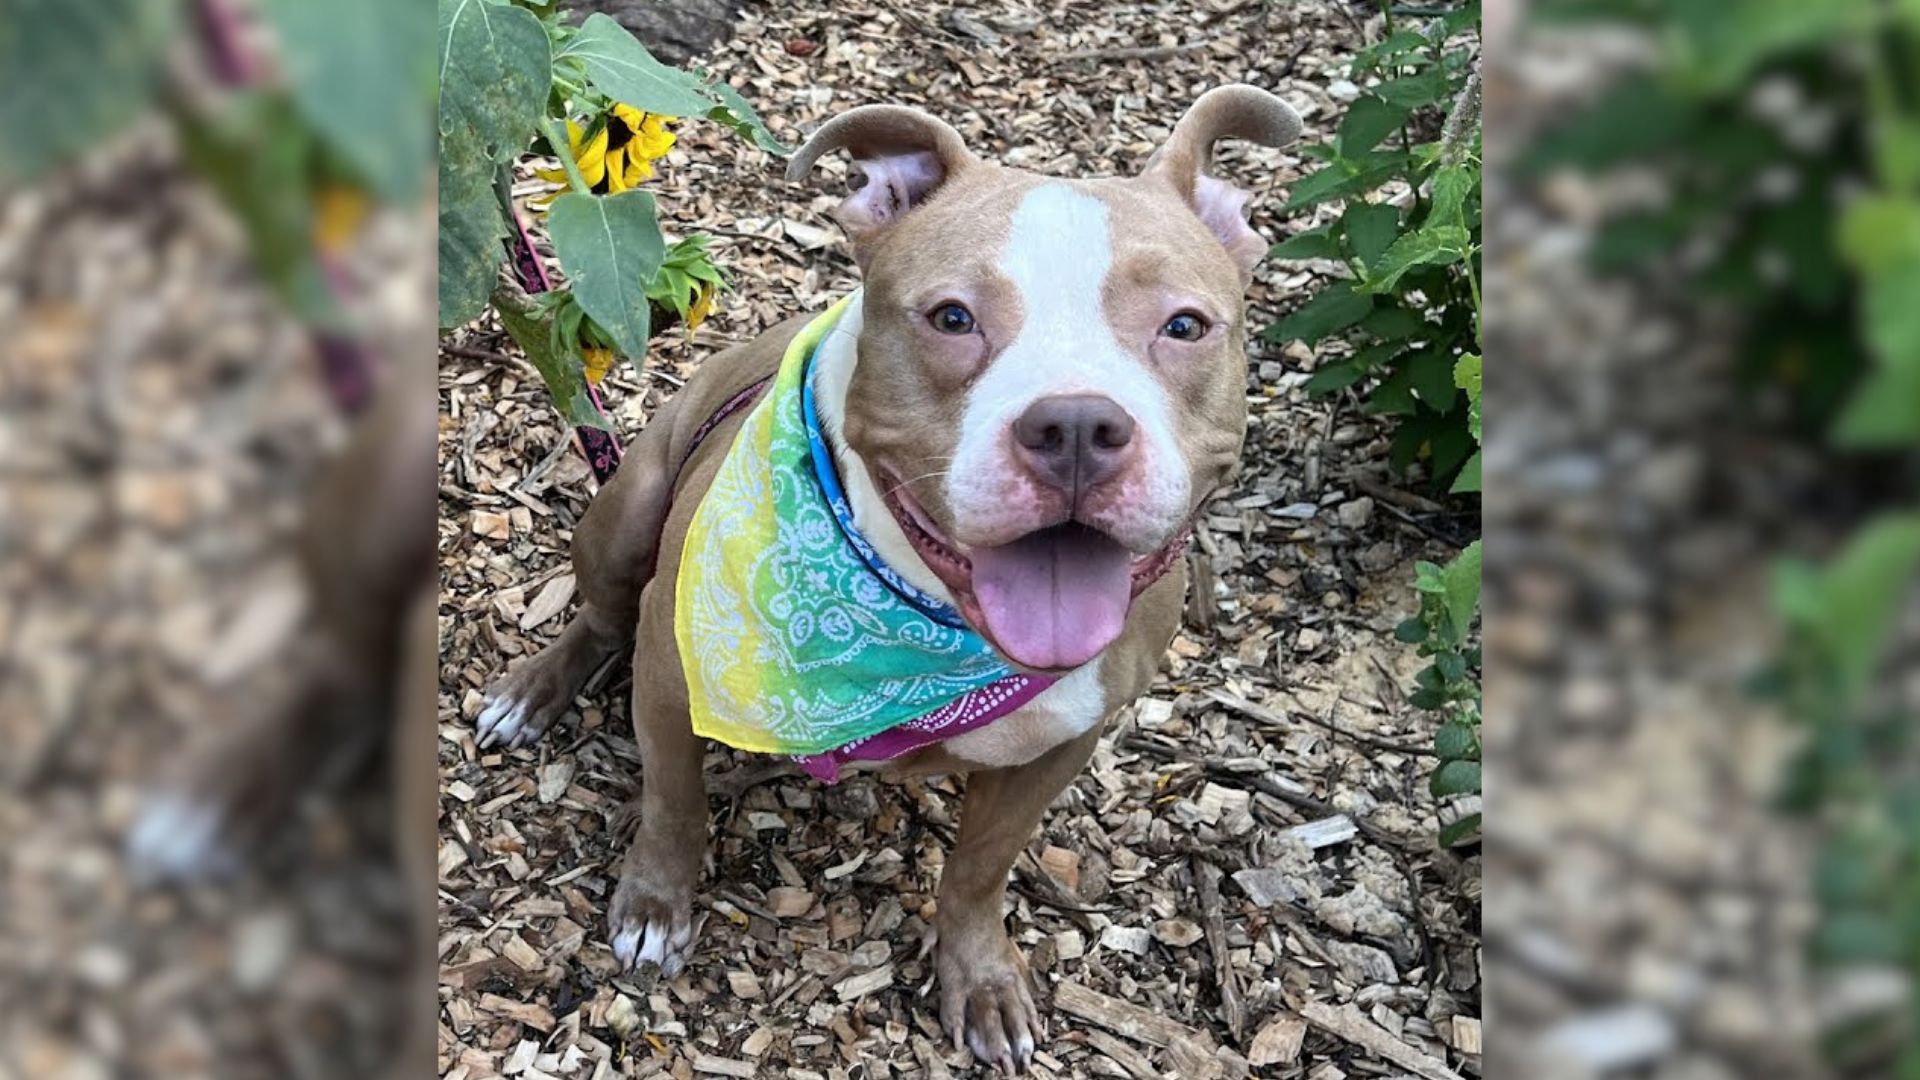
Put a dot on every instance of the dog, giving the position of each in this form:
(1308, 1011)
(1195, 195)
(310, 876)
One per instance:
(1034, 392)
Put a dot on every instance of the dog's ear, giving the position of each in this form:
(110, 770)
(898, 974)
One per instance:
(1236, 111)
(900, 156)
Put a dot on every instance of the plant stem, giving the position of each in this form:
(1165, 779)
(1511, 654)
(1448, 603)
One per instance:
(1473, 285)
(562, 149)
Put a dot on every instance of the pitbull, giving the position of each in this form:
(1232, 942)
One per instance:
(1047, 381)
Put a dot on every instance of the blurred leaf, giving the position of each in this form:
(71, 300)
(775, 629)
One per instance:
(1885, 411)
(622, 68)
(1369, 119)
(1410, 630)
(1344, 177)
(1334, 309)
(1394, 323)
(1633, 119)
(610, 246)
(1717, 48)
(362, 75)
(73, 73)
(259, 158)
(1335, 376)
(1412, 91)
(1371, 228)
(1880, 233)
(1848, 605)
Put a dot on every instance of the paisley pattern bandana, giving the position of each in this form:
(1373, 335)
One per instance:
(795, 636)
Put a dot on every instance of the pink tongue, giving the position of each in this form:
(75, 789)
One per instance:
(1055, 598)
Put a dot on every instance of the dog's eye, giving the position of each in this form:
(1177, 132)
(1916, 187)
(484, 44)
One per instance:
(952, 319)
(1185, 326)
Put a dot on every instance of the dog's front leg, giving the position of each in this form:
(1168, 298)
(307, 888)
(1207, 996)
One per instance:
(651, 918)
(986, 995)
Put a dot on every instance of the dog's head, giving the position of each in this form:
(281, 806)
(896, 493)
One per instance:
(1051, 373)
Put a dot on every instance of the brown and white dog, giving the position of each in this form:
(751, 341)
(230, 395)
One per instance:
(1044, 380)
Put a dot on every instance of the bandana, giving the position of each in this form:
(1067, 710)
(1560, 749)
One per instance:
(795, 635)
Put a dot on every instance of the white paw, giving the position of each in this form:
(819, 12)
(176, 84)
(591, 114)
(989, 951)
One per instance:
(175, 837)
(503, 722)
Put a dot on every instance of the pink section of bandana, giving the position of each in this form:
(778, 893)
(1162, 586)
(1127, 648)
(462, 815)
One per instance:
(973, 709)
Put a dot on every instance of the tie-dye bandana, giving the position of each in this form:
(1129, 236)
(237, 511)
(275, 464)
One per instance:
(795, 636)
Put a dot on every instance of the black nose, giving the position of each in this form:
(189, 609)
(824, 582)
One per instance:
(1074, 441)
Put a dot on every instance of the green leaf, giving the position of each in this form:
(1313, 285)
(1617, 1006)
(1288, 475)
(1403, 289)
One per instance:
(1451, 188)
(1466, 376)
(1332, 377)
(1454, 741)
(1369, 119)
(1885, 411)
(470, 229)
(610, 247)
(1412, 91)
(561, 369)
(1437, 245)
(1335, 308)
(1455, 778)
(1462, 577)
(1848, 605)
(1467, 828)
(737, 113)
(1431, 373)
(1468, 480)
(361, 73)
(255, 153)
(622, 68)
(1411, 630)
(1316, 244)
(1371, 228)
(495, 71)
(76, 73)
(1344, 177)
(1393, 323)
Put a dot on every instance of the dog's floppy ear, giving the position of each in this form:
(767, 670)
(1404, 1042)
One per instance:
(1236, 111)
(900, 156)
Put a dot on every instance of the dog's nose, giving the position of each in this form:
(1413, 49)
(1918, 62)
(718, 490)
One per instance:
(1074, 440)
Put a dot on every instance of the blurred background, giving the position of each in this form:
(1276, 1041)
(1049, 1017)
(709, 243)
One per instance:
(216, 312)
(1703, 530)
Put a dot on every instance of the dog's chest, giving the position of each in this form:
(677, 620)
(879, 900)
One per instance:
(1061, 712)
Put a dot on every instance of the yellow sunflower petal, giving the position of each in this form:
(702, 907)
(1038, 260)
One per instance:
(599, 362)
(630, 116)
(574, 134)
(592, 158)
(652, 144)
(552, 176)
(338, 212)
(638, 171)
(616, 172)
(702, 307)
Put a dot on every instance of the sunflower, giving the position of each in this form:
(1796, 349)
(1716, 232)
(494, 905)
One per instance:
(338, 212)
(599, 361)
(702, 306)
(618, 154)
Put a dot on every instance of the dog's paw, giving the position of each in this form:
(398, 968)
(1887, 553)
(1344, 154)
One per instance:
(523, 705)
(178, 836)
(986, 999)
(650, 924)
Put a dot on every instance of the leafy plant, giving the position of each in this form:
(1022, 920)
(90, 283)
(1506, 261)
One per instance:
(1450, 685)
(517, 79)
(1409, 237)
(1810, 232)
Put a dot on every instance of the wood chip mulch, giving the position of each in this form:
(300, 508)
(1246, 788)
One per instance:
(1243, 883)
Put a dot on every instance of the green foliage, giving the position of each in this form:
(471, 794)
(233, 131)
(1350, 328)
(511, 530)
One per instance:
(512, 77)
(76, 73)
(610, 247)
(1412, 306)
(349, 63)
(1450, 686)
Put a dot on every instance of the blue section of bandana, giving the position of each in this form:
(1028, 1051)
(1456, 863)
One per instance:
(828, 474)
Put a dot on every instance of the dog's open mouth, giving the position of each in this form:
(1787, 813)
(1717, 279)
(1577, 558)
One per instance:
(1050, 600)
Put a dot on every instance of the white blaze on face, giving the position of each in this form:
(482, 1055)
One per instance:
(1057, 255)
